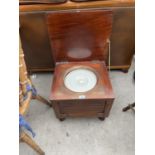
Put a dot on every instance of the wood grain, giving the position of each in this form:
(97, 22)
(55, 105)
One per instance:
(103, 90)
(24, 137)
(97, 102)
(79, 35)
(75, 5)
(36, 43)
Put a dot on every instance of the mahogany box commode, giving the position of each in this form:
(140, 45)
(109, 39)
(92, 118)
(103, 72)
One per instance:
(80, 39)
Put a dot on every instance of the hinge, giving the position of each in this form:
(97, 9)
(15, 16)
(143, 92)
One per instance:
(62, 62)
(96, 61)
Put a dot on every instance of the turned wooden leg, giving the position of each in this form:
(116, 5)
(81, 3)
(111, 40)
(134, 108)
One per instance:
(28, 140)
(62, 119)
(125, 70)
(130, 106)
(101, 118)
(43, 100)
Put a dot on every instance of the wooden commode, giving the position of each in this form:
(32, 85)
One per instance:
(80, 40)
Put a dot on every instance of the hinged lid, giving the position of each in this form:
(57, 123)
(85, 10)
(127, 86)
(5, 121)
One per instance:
(79, 35)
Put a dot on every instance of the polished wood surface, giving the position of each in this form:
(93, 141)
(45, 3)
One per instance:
(123, 37)
(82, 108)
(87, 31)
(35, 42)
(103, 89)
(79, 35)
(37, 48)
(76, 5)
(85, 0)
(97, 102)
(28, 2)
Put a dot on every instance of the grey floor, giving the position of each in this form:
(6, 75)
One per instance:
(84, 136)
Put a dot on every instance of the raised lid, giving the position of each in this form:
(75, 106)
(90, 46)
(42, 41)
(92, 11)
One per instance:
(79, 35)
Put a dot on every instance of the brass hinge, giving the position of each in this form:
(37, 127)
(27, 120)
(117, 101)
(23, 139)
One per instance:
(61, 62)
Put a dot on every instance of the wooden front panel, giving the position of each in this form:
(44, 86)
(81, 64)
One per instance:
(35, 41)
(37, 45)
(82, 107)
(123, 36)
